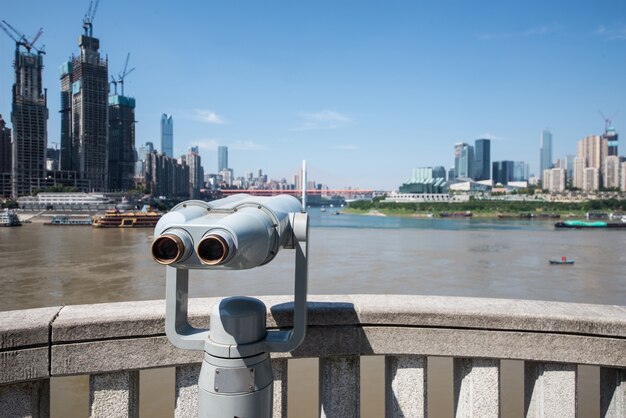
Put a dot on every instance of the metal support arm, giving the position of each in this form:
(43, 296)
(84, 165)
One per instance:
(185, 336)
(177, 327)
(285, 341)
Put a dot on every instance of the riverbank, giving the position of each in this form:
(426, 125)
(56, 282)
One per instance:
(487, 208)
(486, 215)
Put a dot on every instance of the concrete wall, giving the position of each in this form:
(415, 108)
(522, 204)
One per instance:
(111, 341)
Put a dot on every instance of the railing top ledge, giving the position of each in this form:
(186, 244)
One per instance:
(26, 327)
(79, 339)
(146, 318)
(491, 313)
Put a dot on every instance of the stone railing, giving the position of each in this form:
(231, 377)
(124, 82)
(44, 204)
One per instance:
(112, 342)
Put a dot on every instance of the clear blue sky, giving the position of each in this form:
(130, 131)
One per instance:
(363, 90)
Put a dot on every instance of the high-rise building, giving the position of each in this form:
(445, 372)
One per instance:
(567, 163)
(29, 118)
(463, 160)
(611, 136)
(165, 176)
(222, 158)
(167, 135)
(502, 172)
(52, 159)
(196, 173)
(439, 172)
(612, 174)
(578, 173)
(121, 143)
(227, 176)
(554, 180)
(482, 160)
(85, 114)
(622, 183)
(594, 150)
(520, 171)
(6, 159)
(591, 179)
(451, 175)
(545, 152)
(5, 148)
(142, 155)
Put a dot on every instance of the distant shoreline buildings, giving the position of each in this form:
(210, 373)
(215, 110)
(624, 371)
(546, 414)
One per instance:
(99, 153)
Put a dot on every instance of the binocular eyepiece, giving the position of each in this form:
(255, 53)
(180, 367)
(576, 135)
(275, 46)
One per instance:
(238, 232)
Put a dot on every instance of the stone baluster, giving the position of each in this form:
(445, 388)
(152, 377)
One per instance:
(279, 367)
(405, 386)
(114, 395)
(476, 387)
(340, 387)
(28, 399)
(549, 389)
(187, 391)
(612, 393)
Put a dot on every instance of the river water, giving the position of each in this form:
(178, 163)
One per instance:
(349, 254)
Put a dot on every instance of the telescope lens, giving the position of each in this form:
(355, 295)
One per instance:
(167, 249)
(213, 250)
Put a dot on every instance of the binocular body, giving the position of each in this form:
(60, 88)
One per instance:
(237, 232)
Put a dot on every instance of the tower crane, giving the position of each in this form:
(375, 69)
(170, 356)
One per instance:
(607, 121)
(114, 82)
(123, 74)
(89, 16)
(21, 38)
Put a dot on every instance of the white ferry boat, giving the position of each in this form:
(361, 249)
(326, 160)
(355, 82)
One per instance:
(66, 220)
(9, 218)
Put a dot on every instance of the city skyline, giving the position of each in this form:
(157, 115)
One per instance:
(364, 93)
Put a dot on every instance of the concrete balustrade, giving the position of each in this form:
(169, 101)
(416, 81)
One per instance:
(111, 342)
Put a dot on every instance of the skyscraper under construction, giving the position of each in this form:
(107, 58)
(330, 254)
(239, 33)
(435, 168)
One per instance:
(84, 113)
(29, 115)
(121, 143)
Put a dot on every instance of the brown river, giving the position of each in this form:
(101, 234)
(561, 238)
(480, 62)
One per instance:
(349, 254)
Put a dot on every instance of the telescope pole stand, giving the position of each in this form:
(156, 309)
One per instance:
(236, 377)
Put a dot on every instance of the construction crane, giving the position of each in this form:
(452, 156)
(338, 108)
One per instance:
(123, 74)
(607, 121)
(21, 39)
(114, 82)
(89, 16)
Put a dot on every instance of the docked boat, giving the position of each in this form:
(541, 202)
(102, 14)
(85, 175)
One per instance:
(9, 218)
(67, 221)
(466, 214)
(113, 218)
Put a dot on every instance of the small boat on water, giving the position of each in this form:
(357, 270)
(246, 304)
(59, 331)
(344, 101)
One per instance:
(113, 218)
(466, 214)
(563, 260)
(589, 224)
(9, 218)
(67, 221)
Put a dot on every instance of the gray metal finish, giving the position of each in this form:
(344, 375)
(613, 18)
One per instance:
(237, 375)
(238, 320)
(238, 232)
(249, 405)
(285, 341)
(255, 228)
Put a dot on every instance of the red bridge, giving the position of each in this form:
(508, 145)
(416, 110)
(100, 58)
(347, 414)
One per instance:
(345, 193)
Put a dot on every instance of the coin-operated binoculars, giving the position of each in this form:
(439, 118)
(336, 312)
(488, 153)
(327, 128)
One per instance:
(234, 233)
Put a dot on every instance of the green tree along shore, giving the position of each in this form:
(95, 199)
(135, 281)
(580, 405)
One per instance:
(486, 208)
